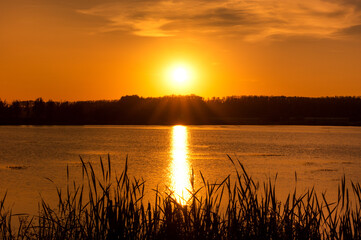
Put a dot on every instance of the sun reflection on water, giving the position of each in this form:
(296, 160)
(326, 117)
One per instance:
(180, 171)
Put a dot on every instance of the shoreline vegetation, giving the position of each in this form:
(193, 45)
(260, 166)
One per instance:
(111, 206)
(188, 110)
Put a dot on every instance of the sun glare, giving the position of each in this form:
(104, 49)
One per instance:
(180, 74)
(180, 170)
(180, 78)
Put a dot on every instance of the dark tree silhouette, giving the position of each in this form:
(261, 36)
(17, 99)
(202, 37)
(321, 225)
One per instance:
(187, 110)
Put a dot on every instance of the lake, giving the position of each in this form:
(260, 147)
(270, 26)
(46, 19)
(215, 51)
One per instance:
(165, 156)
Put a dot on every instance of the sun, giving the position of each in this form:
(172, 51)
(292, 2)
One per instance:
(180, 78)
(180, 74)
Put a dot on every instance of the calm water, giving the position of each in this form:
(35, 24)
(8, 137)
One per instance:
(164, 156)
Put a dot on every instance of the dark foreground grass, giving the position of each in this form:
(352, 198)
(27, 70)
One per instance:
(112, 207)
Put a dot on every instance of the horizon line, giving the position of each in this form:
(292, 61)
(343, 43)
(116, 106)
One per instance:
(178, 95)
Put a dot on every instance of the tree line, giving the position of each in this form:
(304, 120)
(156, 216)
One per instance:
(186, 110)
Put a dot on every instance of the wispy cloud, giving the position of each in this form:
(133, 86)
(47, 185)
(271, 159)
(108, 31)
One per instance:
(250, 20)
(350, 31)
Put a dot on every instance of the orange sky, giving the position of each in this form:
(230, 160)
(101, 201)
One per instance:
(104, 49)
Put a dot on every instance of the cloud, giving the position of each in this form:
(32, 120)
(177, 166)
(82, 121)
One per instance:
(355, 4)
(250, 20)
(350, 31)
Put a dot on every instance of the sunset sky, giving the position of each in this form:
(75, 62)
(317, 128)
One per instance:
(104, 49)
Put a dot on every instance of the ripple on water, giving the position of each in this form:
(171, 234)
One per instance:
(17, 167)
(347, 163)
(324, 170)
(310, 163)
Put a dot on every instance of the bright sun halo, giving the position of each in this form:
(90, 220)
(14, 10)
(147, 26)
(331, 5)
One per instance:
(180, 78)
(180, 74)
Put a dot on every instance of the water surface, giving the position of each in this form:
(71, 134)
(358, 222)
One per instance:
(165, 156)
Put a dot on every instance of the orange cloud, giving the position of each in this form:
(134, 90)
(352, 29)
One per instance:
(253, 20)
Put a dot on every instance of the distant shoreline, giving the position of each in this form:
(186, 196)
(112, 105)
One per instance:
(187, 110)
(340, 124)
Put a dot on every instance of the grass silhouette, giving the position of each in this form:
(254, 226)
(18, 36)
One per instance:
(112, 207)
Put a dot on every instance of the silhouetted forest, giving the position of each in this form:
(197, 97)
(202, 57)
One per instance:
(191, 109)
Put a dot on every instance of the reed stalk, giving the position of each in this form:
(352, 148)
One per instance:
(111, 206)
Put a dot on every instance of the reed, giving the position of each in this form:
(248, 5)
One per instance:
(112, 207)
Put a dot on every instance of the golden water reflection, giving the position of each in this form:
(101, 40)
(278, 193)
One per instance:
(180, 170)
